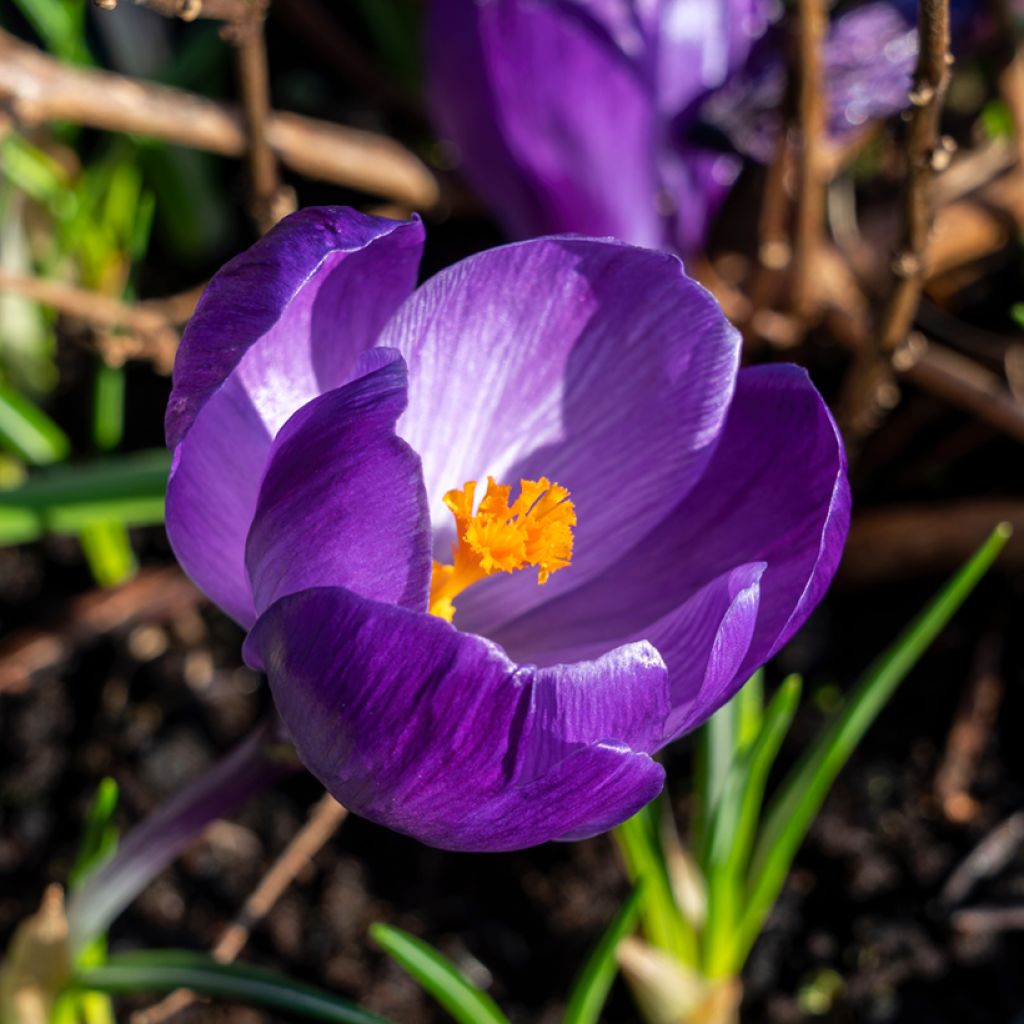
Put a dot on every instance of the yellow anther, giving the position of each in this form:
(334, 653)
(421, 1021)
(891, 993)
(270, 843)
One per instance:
(535, 530)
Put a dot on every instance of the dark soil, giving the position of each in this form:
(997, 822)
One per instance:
(156, 706)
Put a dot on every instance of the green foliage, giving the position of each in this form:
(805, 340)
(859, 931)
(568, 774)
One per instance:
(26, 431)
(745, 849)
(665, 925)
(590, 992)
(438, 976)
(166, 970)
(128, 490)
(468, 1004)
(100, 836)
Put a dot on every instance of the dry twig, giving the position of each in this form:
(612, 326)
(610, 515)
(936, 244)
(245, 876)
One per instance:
(904, 541)
(324, 820)
(189, 10)
(37, 89)
(870, 377)
(810, 200)
(924, 152)
(988, 858)
(269, 201)
(971, 731)
(150, 325)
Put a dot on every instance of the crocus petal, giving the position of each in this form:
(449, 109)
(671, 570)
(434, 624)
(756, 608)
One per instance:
(869, 62)
(437, 734)
(596, 364)
(281, 323)
(869, 57)
(554, 123)
(697, 45)
(342, 502)
(768, 519)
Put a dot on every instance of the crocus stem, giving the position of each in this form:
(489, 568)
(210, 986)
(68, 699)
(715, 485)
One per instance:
(256, 763)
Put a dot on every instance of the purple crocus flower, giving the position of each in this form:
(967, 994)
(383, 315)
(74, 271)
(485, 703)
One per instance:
(625, 117)
(656, 524)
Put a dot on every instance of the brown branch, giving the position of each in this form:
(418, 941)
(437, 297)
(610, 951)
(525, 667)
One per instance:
(810, 197)
(868, 388)
(150, 325)
(93, 307)
(931, 80)
(907, 541)
(36, 89)
(963, 383)
(988, 858)
(269, 202)
(971, 730)
(189, 10)
(324, 820)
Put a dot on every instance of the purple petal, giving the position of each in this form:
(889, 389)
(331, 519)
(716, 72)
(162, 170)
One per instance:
(281, 323)
(342, 502)
(761, 533)
(555, 124)
(697, 45)
(593, 363)
(437, 734)
(869, 62)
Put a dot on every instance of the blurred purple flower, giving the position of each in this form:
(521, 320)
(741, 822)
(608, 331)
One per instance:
(624, 117)
(324, 414)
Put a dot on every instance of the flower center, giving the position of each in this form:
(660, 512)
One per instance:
(536, 529)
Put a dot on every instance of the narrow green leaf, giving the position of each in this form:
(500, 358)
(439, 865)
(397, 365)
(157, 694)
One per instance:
(590, 992)
(60, 24)
(663, 921)
(28, 432)
(793, 808)
(438, 976)
(65, 499)
(733, 830)
(100, 834)
(108, 407)
(165, 970)
(108, 550)
(718, 745)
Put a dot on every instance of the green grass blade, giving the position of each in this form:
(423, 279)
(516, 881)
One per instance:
(165, 970)
(794, 807)
(731, 840)
(663, 921)
(100, 834)
(590, 992)
(108, 550)
(128, 490)
(719, 743)
(108, 407)
(438, 976)
(28, 432)
(60, 24)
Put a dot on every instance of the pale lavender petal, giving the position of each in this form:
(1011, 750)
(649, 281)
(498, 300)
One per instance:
(281, 323)
(342, 502)
(555, 125)
(437, 734)
(773, 506)
(869, 59)
(596, 364)
(697, 45)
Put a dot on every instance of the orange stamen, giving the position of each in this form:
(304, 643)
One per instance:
(535, 530)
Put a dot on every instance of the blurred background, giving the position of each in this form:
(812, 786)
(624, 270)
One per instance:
(142, 145)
